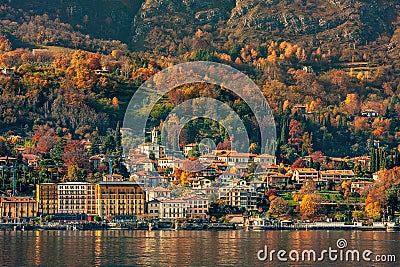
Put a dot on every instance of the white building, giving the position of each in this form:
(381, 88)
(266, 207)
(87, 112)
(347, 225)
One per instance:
(266, 159)
(170, 162)
(153, 208)
(76, 197)
(152, 148)
(157, 192)
(173, 209)
(303, 174)
(236, 158)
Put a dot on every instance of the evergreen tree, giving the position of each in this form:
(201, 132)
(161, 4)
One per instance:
(94, 146)
(108, 146)
(284, 131)
(57, 151)
(118, 139)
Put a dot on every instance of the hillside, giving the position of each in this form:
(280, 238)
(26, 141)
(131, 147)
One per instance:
(316, 23)
(335, 58)
(169, 26)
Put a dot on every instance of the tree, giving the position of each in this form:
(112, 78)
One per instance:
(118, 140)
(372, 207)
(57, 151)
(75, 154)
(346, 188)
(278, 207)
(94, 146)
(392, 195)
(75, 174)
(288, 154)
(5, 44)
(46, 141)
(108, 146)
(308, 206)
(373, 211)
(299, 163)
(194, 152)
(357, 215)
(340, 216)
(253, 147)
(80, 69)
(307, 146)
(295, 134)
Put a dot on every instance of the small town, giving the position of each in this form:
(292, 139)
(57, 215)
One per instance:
(199, 133)
(230, 190)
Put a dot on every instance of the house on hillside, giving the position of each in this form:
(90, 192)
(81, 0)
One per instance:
(7, 71)
(303, 174)
(370, 113)
(266, 159)
(336, 176)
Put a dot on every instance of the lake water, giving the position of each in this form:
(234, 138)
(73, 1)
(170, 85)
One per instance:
(186, 248)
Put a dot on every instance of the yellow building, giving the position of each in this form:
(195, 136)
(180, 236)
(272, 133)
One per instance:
(13, 209)
(119, 198)
(47, 198)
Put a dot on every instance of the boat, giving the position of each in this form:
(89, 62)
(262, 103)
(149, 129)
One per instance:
(392, 227)
(260, 224)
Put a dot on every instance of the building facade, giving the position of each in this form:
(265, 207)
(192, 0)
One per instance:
(119, 198)
(15, 209)
(197, 207)
(76, 197)
(47, 198)
(173, 209)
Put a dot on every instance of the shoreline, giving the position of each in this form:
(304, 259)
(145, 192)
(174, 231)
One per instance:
(171, 226)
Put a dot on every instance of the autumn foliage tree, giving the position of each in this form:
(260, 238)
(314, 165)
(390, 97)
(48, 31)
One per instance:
(295, 134)
(372, 208)
(308, 206)
(278, 207)
(75, 154)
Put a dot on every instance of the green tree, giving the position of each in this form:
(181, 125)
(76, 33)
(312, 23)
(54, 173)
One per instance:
(57, 151)
(94, 146)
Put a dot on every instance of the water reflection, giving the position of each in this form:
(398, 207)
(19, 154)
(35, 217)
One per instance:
(172, 248)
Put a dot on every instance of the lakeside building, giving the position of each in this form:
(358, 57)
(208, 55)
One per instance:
(173, 209)
(119, 198)
(76, 197)
(15, 209)
(153, 208)
(239, 194)
(47, 198)
(197, 206)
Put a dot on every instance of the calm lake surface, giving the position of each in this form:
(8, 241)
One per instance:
(183, 248)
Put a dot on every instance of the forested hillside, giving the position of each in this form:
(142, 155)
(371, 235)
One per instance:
(320, 64)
